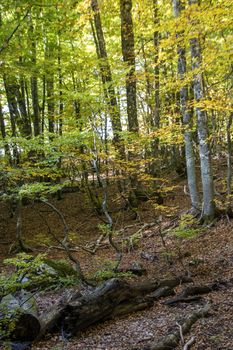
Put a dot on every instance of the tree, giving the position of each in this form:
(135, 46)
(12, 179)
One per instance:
(202, 129)
(127, 40)
(106, 77)
(187, 118)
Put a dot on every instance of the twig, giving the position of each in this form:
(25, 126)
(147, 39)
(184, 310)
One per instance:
(189, 343)
(181, 333)
(98, 242)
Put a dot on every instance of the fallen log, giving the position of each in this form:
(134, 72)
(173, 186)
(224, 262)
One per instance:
(98, 306)
(19, 312)
(113, 298)
(76, 312)
(50, 321)
(172, 340)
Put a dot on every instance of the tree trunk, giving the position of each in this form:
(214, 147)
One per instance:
(60, 81)
(202, 128)
(50, 87)
(155, 120)
(34, 83)
(106, 76)
(127, 41)
(187, 121)
(229, 155)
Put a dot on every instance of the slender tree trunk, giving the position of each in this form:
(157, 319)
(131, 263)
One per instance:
(27, 101)
(43, 104)
(202, 128)
(155, 120)
(229, 154)
(25, 122)
(76, 103)
(127, 42)
(61, 105)
(50, 103)
(106, 76)
(149, 107)
(34, 84)
(148, 100)
(50, 87)
(187, 121)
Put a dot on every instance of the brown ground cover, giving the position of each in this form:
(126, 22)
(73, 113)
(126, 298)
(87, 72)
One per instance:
(208, 257)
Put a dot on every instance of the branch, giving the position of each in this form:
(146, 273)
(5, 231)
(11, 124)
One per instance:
(189, 343)
(172, 340)
(4, 46)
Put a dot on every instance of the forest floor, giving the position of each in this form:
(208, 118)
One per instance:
(207, 257)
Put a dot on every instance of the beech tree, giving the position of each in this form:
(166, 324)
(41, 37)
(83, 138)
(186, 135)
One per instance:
(202, 129)
(186, 113)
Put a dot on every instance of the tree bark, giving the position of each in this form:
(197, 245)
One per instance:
(202, 129)
(127, 43)
(187, 120)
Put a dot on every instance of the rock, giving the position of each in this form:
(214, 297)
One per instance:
(149, 257)
(137, 269)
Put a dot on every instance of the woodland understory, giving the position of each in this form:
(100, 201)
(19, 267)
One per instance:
(116, 174)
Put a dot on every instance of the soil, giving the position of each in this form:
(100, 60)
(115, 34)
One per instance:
(207, 257)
